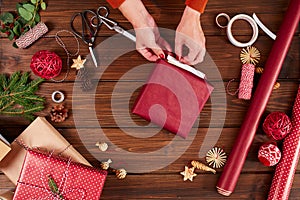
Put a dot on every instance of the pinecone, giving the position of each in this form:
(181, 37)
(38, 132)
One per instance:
(58, 113)
(86, 84)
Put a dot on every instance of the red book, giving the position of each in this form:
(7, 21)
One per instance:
(45, 176)
(173, 96)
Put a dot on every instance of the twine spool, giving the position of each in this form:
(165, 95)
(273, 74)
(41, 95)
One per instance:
(46, 64)
(246, 83)
(32, 35)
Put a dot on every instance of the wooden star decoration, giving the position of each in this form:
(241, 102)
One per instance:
(188, 173)
(78, 63)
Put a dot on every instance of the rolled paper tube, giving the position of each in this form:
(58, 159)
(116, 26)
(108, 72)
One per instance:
(32, 35)
(285, 170)
(236, 160)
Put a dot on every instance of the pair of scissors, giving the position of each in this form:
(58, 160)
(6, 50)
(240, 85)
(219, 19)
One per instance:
(102, 13)
(88, 31)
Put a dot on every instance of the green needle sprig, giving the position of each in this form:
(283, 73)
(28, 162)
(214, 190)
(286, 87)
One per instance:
(17, 95)
(15, 24)
(53, 187)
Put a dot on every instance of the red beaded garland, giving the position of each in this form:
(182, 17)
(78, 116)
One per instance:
(46, 64)
(269, 154)
(277, 125)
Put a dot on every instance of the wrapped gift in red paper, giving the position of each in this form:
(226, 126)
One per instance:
(173, 96)
(45, 176)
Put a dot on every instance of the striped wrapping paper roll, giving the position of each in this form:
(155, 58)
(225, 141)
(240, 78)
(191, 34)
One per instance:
(285, 170)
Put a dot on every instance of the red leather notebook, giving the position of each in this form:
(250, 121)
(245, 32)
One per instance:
(173, 96)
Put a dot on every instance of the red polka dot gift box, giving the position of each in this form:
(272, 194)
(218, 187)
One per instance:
(45, 176)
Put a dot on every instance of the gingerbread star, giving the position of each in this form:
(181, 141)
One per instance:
(188, 173)
(78, 63)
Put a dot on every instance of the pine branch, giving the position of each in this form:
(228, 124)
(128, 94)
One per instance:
(17, 95)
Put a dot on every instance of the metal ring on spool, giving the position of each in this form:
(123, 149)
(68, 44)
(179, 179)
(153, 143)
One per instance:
(253, 25)
(61, 99)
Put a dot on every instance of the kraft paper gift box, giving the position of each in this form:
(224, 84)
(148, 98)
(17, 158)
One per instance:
(46, 176)
(4, 147)
(39, 134)
(8, 195)
(173, 96)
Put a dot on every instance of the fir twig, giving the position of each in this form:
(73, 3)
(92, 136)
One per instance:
(53, 187)
(17, 95)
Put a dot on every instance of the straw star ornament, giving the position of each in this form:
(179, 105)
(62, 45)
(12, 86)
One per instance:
(216, 157)
(250, 55)
(188, 173)
(78, 63)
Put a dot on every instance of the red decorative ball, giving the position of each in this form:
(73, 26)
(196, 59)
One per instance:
(277, 125)
(269, 154)
(46, 64)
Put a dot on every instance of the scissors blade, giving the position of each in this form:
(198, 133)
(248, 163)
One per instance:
(93, 56)
(125, 33)
(129, 36)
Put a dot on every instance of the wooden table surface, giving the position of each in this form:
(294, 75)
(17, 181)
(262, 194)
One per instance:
(122, 129)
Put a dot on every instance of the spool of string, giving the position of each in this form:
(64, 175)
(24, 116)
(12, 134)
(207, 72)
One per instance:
(246, 82)
(249, 56)
(62, 44)
(32, 35)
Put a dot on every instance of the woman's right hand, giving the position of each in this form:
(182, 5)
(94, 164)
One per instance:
(149, 43)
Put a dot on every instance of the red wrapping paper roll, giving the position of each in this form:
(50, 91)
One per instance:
(285, 170)
(236, 160)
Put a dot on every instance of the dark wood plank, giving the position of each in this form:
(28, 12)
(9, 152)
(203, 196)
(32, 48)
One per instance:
(124, 98)
(180, 152)
(225, 58)
(250, 186)
(124, 130)
(161, 10)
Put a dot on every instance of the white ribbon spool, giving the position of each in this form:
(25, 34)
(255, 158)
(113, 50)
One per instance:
(61, 98)
(254, 29)
(252, 21)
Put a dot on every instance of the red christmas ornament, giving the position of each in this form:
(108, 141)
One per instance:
(277, 125)
(46, 64)
(269, 154)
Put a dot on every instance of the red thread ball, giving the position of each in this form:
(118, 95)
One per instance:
(277, 125)
(269, 154)
(46, 64)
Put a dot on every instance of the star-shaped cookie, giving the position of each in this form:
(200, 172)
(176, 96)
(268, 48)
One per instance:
(188, 173)
(78, 63)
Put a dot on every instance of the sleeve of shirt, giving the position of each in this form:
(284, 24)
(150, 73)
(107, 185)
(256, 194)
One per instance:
(198, 5)
(115, 3)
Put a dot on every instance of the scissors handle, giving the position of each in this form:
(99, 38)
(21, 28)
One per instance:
(102, 11)
(88, 31)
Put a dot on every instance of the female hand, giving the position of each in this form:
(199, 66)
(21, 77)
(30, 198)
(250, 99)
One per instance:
(149, 43)
(189, 33)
